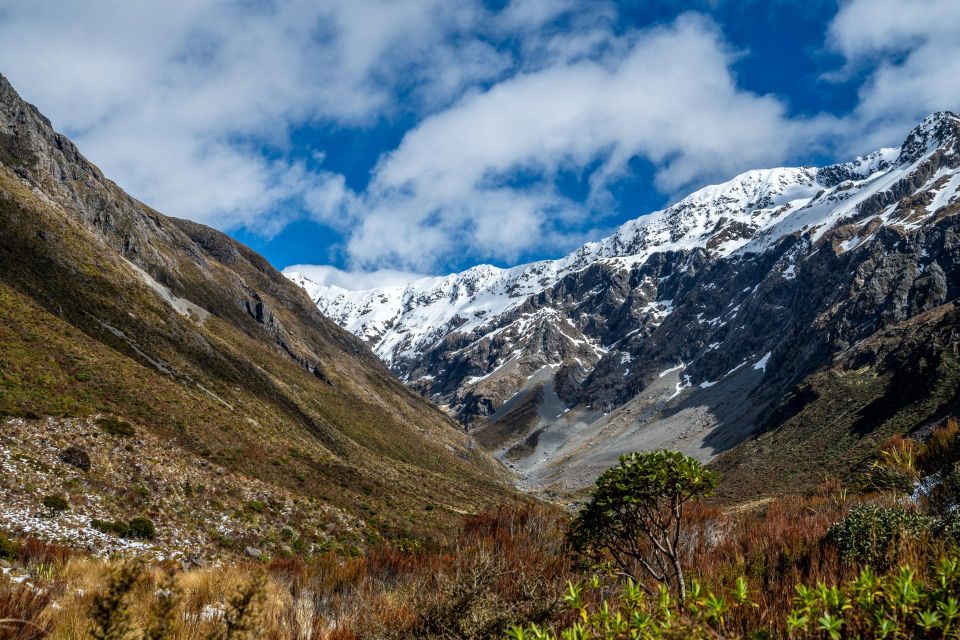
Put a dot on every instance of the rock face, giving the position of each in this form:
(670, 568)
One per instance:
(108, 306)
(692, 328)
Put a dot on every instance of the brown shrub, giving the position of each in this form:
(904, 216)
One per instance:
(22, 612)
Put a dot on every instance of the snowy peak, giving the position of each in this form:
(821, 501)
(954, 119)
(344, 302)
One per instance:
(400, 321)
(720, 218)
(472, 337)
(940, 130)
(859, 169)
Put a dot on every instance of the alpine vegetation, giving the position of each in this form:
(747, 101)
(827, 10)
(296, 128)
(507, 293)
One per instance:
(513, 320)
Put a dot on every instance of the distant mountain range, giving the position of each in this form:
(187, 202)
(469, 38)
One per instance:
(780, 324)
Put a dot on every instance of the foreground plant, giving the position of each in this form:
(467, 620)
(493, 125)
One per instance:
(635, 513)
(636, 615)
(895, 605)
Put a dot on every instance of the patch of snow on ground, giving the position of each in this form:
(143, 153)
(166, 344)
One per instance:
(671, 370)
(761, 364)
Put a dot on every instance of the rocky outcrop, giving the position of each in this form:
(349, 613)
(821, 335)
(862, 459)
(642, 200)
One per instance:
(713, 310)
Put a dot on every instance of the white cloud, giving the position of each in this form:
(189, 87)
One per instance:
(354, 280)
(670, 97)
(189, 105)
(911, 54)
(176, 100)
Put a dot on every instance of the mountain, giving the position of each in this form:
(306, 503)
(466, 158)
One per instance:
(780, 325)
(247, 413)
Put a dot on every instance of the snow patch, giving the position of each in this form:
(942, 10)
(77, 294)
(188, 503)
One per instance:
(761, 364)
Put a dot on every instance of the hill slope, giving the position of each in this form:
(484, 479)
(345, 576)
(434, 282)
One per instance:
(109, 307)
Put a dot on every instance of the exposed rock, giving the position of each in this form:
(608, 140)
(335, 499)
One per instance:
(76, 457)
(686, 327)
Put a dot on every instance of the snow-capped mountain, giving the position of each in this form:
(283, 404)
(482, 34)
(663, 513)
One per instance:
(733, 295)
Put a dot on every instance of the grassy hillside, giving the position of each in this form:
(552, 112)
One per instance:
(109, 308)
(900, 380)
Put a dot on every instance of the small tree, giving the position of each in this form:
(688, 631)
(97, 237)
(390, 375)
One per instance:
(635, 513)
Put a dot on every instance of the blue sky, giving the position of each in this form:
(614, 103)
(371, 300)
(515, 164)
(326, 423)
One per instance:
(425, 136)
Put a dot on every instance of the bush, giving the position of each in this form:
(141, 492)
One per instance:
(256, 506)
(76, 457)
(116, 427)
(944, 495)
(896, 605)
(635, 516)
(947, 528)
(141, 528)
(895, 469)
(872, 534)
(55, 504)
(118, 529)
(942, 449)
(9, 549)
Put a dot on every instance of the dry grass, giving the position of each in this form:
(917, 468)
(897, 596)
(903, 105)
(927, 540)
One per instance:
(504, 567)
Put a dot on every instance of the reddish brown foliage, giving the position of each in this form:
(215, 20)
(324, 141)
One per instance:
(34, 551)
(21, 612)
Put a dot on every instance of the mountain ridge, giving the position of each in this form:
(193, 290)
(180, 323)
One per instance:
(653, 306)
(112, 310)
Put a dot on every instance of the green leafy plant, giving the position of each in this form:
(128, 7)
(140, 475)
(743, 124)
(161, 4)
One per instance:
(633, 519)
(872, 534)
(116, 427)
(119, 529)
(870, 605)
(141, 528)
(895, 469)
(55, 504)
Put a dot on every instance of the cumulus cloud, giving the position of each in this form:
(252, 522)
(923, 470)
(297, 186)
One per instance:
(177, 100)
(190, 105)
(910, 52)
(669, 97)
(354, 280)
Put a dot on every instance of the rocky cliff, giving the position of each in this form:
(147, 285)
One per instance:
(704, 325)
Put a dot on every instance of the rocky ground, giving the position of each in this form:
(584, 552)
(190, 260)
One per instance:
(201, 511)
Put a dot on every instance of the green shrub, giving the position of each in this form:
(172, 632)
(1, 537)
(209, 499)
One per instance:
(55, 504)
(256, 506)
(895, 469)
(118, 529)
(870, 605)
(141, 528)
(947, 529)
(76, 457)
(116, 427)
(635, 515)
(944, 496)
(9, 549)
(872, 534)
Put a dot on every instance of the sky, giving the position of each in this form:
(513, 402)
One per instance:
(375, 140)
